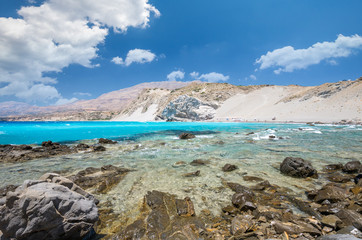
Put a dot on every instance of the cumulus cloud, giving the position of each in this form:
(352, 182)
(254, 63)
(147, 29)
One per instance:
(50, 37)
(288, 59)
(176, 75)
(194, 75)
(135, 56)
(213, 77)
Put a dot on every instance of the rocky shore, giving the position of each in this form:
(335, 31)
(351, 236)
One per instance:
(68, 206)
(56, 207)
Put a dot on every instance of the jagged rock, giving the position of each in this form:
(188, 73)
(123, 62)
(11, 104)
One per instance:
(106, 141)
(82, 146)
(99, 148)
(188, 108)
(350, 217)
(252, 179)
(186, 136)
(100, 179)
(229, 167)
(21, 153)
(352, 167)
(192, 174)
(333, 167)
(241, 224)
(339, 178)
(243, 201)
(165, 217)
(297, 167)
(241, 189)
(50, 208)
(331, 193)
(330, 221)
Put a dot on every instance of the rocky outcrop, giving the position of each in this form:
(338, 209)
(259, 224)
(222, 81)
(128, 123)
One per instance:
(20, 153)
(186, 136)
(297, 167)
(50, 208)
(188, 108)
(165, 217)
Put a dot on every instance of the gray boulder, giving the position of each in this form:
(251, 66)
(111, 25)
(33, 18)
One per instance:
(50, 208)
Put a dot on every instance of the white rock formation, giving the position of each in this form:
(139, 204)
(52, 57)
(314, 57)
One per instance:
(188, 108)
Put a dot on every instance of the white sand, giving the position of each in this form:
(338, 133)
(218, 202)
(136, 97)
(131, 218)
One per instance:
(264, 104)
(138, 116)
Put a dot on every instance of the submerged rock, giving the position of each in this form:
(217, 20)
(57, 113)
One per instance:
(298, 167)
(192, 174)
(186, 136)
(229, 167)
(106, 141)
(165, 217)
(352, 167)
(199, 162)
(51, 208)
(101, 180)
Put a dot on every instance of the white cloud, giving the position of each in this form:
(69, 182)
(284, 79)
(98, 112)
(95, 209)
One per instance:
(252, 77)
(288, 59)
(63, 101)
(82, 94)
(135, 56)
(176, 75)
(214, 77)
(194, 75)
(58, 33)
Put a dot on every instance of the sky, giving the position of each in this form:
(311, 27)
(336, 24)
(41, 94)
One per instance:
(55, 52)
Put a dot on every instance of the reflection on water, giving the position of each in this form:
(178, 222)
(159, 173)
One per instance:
(152, 155)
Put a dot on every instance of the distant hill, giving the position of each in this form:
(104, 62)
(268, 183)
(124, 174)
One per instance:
(200, 101)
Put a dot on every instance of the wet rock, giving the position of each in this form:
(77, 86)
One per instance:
(351, 230)
(356, 180)
(296, 228)
(186, 136)
(21, 153)
(229, 167)
(252, 179)
(231, 210)
(332, 208)
(82, 146)
(297, 167)
(250, 133)
(179, 164)
(350, 217)
(243, 201)
(99, 148)
(331, 221)
(338, 237)
(241, 224)
(100, 180)
(262, 186)
(106, 141)
(199, 162)
(165, 217)
(338, 178)
(192, 174)
(331, 193)
(304, 206)
(241, 189)
(333, 167)
(50, 208)
(352, 167)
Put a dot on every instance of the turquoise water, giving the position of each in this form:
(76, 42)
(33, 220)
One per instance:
(152, 149)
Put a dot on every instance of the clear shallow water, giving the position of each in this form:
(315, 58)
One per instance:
(152, 148)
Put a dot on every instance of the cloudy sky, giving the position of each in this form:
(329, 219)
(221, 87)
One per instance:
(58, 51)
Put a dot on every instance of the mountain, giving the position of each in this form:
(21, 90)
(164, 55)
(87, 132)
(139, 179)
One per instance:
(200, 101)
(94, 109)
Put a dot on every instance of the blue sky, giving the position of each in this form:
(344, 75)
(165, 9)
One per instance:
(82, 55)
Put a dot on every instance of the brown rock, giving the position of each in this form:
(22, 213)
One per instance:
(350, 217)
(243, 201)
(186, 136)
(241, 224)
(330, 221)
(331, 193)
(106, 141)
(252, 179)
(229, 168)
(352, 167)
(297, 167)
(192, 174)
(199, 162)
(338, 178)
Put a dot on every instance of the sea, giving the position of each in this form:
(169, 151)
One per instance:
(151, 149)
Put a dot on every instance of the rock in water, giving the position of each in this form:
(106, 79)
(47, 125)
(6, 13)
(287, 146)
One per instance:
(106, 141)
(51, 208)
(352, 167)
(298, 167)
(186, 136)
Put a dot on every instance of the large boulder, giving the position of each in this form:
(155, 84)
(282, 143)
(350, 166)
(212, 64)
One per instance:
(352, 167)
(50, 208)
(188, 108)
(298, 167)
